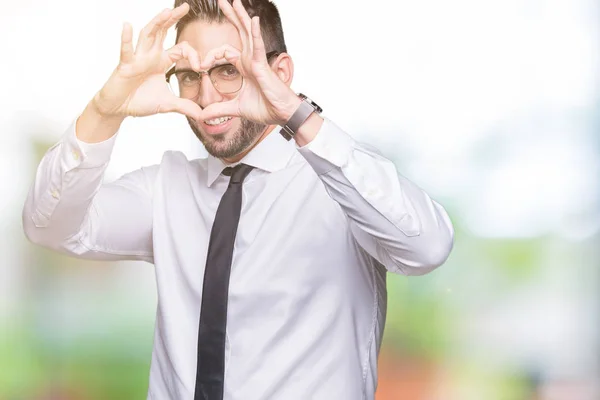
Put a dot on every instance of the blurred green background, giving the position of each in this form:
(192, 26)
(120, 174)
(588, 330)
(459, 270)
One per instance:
(490, 106)
(502, 319)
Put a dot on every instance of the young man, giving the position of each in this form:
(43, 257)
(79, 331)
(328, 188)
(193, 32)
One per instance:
(271, 254)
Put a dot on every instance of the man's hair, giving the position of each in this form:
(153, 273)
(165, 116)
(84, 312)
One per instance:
(208, 11)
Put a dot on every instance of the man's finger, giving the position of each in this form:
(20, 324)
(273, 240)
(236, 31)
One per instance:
(176, 15)
(126, 43)
(259, 51)
(242, 16)
(146, 38)
(191, 55)
(181, 51)
(225, 52)
(222, 109)
(164, 16)
(183, 106)
(229, 13)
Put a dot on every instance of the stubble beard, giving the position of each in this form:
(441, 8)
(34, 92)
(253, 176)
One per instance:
(220, 146)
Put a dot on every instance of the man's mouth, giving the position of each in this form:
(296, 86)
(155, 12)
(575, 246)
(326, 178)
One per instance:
(217, 121)
(217, 126)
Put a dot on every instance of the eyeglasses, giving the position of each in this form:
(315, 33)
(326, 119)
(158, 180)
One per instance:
(226, 79)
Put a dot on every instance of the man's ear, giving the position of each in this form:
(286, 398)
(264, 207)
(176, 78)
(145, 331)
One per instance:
(283, 66)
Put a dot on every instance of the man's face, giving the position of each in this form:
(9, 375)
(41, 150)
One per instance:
(232, 137)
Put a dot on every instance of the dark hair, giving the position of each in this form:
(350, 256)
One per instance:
(208, 11)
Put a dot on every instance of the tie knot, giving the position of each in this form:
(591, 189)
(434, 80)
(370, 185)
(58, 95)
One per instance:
(238, 173)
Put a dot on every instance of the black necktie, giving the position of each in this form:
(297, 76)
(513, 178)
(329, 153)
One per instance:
(213, 311)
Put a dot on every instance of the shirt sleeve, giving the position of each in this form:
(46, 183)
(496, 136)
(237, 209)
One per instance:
(395, 221)
(70, 210)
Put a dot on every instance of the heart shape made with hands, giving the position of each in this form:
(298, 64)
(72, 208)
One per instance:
(263, 98)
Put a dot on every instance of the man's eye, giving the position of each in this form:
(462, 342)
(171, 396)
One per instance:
(187, 78)
(227, 71)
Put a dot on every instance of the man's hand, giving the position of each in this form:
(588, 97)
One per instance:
(264, 98)
(137, 87)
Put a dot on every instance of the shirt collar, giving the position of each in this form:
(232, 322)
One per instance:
(271, 154)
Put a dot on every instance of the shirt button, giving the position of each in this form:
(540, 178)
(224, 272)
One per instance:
(55, 194)
(374, 193)
(75, 155)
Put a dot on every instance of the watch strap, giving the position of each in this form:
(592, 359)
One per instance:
(302, 113)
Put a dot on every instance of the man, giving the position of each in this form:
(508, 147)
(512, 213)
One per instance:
(271, 254)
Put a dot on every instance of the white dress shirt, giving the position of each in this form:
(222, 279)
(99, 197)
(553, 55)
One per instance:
(320, 226)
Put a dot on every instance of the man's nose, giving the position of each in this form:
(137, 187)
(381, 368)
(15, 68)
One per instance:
(208, 93)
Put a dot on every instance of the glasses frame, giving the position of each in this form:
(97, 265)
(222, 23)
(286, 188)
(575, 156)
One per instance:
(174, 70)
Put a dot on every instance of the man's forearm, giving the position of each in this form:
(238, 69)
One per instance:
(94, 127)
(391, 217)
(66, 181)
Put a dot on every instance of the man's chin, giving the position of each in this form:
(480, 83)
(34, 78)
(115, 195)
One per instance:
(236, 139)
(207, 136)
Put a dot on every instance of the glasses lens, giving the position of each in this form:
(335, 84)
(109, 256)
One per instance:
(226, 79)
(185, 84)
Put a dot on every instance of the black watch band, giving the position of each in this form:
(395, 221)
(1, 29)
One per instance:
(305, 110)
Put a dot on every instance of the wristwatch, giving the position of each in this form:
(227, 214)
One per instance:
(307, 107)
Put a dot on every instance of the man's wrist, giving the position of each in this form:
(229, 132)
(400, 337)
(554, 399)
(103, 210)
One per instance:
(309, 129)
(93, 126)
(291, 106)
